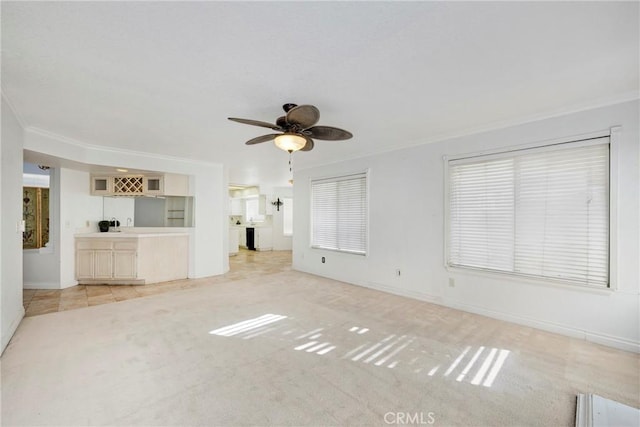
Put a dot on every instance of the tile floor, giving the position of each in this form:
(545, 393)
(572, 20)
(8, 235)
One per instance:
(245, 265)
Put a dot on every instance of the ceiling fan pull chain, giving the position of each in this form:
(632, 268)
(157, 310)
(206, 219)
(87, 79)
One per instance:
(290, 158)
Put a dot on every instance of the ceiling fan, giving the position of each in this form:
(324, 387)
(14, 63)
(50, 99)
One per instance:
(297, 129)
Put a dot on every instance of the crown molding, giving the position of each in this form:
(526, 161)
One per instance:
(559, 112)
(629, 96)
(12, 107)
(112, 150)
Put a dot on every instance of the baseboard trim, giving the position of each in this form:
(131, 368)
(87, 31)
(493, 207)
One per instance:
(41, 285)
(597, 338)
(48, 285)
(6, 337)
(403, 292)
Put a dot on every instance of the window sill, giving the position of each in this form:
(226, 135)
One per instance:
(339, 251)
(547, 282)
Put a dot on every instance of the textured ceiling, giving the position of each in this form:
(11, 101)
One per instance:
(162, 77)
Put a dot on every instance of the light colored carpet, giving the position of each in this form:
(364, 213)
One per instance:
(295, 349)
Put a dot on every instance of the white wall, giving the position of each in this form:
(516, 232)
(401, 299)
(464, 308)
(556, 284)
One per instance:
(280, 241)
(79, 212)
(407, 233)
(10, 236)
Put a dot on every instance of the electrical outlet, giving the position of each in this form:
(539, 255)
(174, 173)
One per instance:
(398, 272)
(452, 282)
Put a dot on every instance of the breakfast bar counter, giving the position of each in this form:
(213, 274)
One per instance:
(131, 258)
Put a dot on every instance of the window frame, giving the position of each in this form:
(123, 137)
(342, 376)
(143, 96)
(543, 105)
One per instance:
(613, 134)
(339, 177)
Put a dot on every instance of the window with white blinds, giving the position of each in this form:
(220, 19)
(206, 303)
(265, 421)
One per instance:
(339, 213)
(541, 212)
(287, 217)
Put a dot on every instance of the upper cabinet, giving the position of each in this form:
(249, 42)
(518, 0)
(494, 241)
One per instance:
(101, 185)
(175, 185)
(153, 184)
(236, 207)
(140, 185)
(128, 185)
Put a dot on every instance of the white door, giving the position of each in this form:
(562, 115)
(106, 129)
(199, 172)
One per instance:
(84, 264)
(102, 264)
(124, 265)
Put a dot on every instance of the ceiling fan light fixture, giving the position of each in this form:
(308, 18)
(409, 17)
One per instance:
(290, 142)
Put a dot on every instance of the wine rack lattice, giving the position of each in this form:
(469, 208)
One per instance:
(128, 184)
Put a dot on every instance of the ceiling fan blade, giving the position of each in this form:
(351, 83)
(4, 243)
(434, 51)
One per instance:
(303, 115)
(309, 145)
(256, 123)
(263, 138)
(329, 133)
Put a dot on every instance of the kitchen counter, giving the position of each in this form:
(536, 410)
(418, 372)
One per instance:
(128, 234)
(131, 258)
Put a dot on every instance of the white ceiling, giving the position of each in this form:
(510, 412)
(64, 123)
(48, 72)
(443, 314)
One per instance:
(162, 77)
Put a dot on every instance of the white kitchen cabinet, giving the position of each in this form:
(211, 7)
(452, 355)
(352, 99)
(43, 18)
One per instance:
(139, 185)
(124, 265)
(262, 204)
(94, 264)
(153, 185)
(85, 264)
(235, 208)
(130, 185)
(102, 264)
(263, 238)
(243, 237)
(234, 240)
(101, 185)
(175, 185)
(131, 258)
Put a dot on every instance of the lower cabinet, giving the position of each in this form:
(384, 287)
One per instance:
(129, 260)
(85, 264)
(105, 264)
(243, 237)
(234, 240)
(124, 265)
(264, 239)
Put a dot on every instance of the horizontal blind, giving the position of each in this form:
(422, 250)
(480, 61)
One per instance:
(562, 210)
(339, 213)
(481, 198)
(539, 212)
